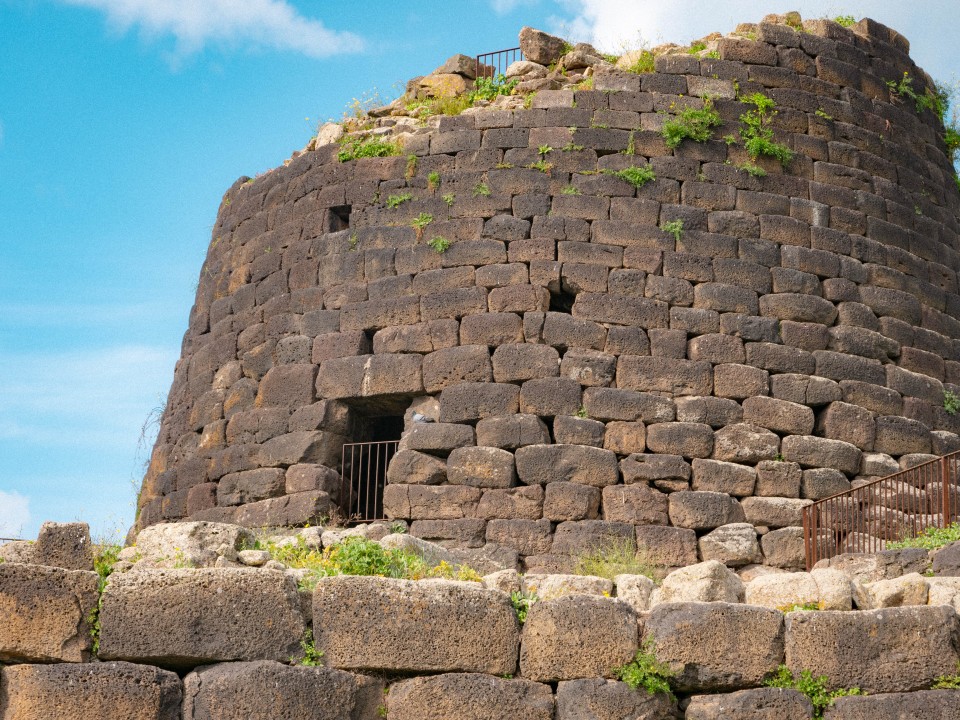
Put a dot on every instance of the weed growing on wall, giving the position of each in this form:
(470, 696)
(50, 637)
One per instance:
(951, 402)
(674, 227)
(646, 672)
(352, 148)
(395, 201)
(691, 123)
(614, 558)
(481, 189)
(756, 133)
(636, 176)
(105, 555)
(814, 688)
(522, 602)
(845, 20)
(947, 682)
(439, 244)
(311, 656)
(433, 180)
(490, 88)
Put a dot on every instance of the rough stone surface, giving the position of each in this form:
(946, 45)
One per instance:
(64, 545)
(236, 691)
(193, 544)
(470, 696)
(89, 691)
(755, 704)
(478, 626)
(46, 613)
(577, 636)
(733, 545)
(703, 643)
(860, 648)
(782, 590)
(927, 704)
(184, 618)
(599, 699)
(709, 581)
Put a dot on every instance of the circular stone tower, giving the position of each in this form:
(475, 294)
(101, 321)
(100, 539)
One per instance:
(562, 326)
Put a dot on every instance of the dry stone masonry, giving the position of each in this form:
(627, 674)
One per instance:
(561, 371)
(222, 636)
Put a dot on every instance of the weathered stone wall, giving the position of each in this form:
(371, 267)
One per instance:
(215, 643)
(590, 376)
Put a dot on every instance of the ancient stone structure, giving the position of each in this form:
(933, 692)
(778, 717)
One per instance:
(564, 370)
(182, 631)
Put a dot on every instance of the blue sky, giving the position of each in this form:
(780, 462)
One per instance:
(122, 122)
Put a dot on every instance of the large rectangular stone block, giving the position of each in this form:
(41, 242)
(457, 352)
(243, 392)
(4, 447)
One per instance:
(890, 650)
(45, 613)
(266, 689)
(704, 643)
(577, 636)
(184, 618)
(89, 691)
(370, 375)
(373, 623)
(661, 374)
(469, 696)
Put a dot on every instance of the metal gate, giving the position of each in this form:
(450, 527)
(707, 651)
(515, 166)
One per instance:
(362, 479)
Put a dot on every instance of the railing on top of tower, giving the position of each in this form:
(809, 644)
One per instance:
(895, 507)
(491, 64)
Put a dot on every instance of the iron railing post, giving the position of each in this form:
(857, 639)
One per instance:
(945, 492)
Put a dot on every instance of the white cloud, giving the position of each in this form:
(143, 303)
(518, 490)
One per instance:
(14, 513)
(257, 23)
(613, 24)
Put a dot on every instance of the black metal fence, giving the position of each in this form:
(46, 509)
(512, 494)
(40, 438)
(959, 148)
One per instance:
(496, 63)
(363, 476)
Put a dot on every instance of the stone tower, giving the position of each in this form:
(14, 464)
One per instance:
(572, 353)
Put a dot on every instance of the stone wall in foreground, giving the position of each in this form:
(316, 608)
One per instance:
(218, 643)
(589, 376)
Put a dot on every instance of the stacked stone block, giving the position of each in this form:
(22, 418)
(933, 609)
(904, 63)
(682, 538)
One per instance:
(590, 377)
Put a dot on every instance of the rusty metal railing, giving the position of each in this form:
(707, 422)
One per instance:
(496, 63)
(895, 507)
(362, 479)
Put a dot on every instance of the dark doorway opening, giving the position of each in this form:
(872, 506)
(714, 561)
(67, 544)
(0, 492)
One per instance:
(364, 467)
(562, 301)
(338, 218)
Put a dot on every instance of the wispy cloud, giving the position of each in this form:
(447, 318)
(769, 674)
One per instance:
(14, 514)
(96, 397)
(271, 24)
(502, 7)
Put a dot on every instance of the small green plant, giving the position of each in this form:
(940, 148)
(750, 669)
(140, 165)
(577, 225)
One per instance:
(815, 688)
(105, 555)
(490, 88)
(481, 188)
(381, 711)
(697, 47)
(614, 558)
(411, 166)
(433, 180)
(599, 125)
(636, 176)
(311, 656)
(439, 244)
(929, 539)
(756, 133)
(752, 170)
(951, 402)
(646, 672)
(571, 147)
(674, 227)
(503, 165)
(821, 113)
(947, 682)
(712, 55)
(794, 607)
(569, 190)
(582, 412)
(845, 20)
(395, 201)
(544, 150)
(541, 165)
(645, 63)
(522, 601)
(449, 199)
(421, 221)
(779, 458)
(352, 148)
(694, 123)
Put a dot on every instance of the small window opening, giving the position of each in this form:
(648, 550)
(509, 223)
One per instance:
(338, 218)
(364, 467)
(562, 300)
